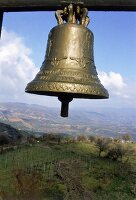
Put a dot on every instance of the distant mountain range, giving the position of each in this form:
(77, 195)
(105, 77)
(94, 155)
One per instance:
(103, 121)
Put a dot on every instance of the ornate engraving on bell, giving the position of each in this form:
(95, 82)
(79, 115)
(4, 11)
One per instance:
(68, 70)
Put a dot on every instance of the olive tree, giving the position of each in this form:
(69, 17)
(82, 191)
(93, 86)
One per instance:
(102, 143)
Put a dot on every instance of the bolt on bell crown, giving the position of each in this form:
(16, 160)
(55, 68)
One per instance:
(68, 70)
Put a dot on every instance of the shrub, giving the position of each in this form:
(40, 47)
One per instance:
(4, 140)
(117, 151)
(28, 184)
(69, 172)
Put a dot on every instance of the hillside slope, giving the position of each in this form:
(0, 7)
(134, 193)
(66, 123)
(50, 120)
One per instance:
(9, 131)
(66, 171)
(108, 122)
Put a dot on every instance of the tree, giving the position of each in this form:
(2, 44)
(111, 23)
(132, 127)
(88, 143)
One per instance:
(102, 144)
(69, 139)
(81, 138)
(53, 138)
(126, 137)
(92, 138)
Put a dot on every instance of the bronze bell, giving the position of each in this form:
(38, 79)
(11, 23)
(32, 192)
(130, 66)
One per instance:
(68, 70)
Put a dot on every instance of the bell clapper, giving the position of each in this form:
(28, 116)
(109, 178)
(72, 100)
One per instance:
(65, 100)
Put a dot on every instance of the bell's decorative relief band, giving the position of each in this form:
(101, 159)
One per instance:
(62, 87)
(70, 79)
(82, 62)
(66, 73)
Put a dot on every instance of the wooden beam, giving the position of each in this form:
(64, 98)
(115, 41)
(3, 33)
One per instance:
(1, 19)
(46, 5)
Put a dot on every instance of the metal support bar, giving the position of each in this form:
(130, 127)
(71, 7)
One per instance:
(1, 19)
(52, 5)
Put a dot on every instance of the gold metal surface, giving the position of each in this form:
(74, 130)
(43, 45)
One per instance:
(68, 70)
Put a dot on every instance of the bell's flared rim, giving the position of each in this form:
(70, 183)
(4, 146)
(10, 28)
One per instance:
(73, 90)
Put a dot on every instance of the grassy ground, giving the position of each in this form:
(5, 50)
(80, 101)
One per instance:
(36, 167)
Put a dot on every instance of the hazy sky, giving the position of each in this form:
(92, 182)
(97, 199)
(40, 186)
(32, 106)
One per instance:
(22, 50)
